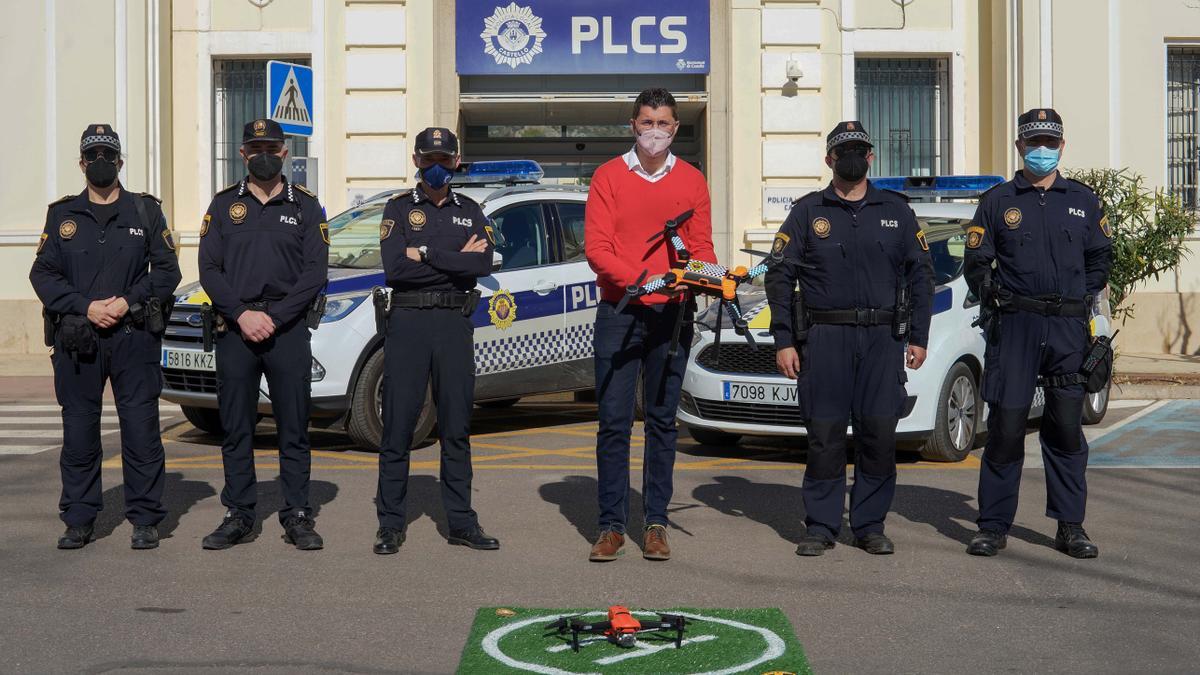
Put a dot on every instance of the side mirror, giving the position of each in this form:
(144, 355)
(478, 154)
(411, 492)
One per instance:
(497, 261)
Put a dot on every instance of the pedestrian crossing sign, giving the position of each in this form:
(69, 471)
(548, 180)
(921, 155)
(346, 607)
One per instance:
(290, 97)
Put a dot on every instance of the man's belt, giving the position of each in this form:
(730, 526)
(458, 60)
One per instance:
(429, 299)
(1046, 306)
(852, 317)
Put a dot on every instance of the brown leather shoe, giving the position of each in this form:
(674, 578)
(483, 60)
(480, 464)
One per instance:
(607, 547)
(654, 544)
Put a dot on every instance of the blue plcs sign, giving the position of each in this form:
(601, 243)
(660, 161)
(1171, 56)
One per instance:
(581, 37)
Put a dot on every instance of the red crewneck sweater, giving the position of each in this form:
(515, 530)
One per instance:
(624, 210)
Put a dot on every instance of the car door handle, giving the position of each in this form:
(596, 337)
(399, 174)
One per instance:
(544, 287)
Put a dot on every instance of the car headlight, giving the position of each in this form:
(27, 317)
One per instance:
(340, 305)
(318, 371)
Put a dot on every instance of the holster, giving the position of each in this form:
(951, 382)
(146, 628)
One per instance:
(383, 308)
(1096, 369)
(471, 302)
(77, 335)
(315, 312)
(49, 327)
(207, 326)
(156, 316)
(902, 319)
(799, 318)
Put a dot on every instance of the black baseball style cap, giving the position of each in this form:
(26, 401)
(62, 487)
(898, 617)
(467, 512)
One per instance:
(845, 132)
(99, 135)
(437, 139)
(262, 130)
(1040, 122)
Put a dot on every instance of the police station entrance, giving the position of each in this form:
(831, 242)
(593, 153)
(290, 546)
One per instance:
(555, 81)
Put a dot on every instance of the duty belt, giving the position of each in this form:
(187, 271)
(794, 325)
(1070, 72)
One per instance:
(1046, 306)
(429, 299)
(852, 317)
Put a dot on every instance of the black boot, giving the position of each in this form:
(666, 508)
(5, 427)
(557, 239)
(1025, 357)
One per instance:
(298, 531)
(144, 537)
(1072, 540)
(987, 543)
(76, 536)
(476, 538)
(231, 531)
(814, 544)
(388, 541)
(876, 543)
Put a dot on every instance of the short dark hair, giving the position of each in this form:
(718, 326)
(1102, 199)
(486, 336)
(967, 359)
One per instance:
(655, 98)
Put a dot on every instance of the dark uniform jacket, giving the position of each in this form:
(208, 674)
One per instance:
(80, 260)
(276, 252)
(850, 260)
(411, 220)
(1044, 243)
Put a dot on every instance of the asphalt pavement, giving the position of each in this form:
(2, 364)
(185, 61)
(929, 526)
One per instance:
(264, 607)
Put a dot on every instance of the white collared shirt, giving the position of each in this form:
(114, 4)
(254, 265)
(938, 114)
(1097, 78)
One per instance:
(635, 165)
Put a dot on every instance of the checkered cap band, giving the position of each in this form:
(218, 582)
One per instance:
(846, 137)
(1040, 129)
(100, 139)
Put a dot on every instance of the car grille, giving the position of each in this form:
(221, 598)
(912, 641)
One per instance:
(749, 413)
(184, 325)
(191, 381)
(739, 358)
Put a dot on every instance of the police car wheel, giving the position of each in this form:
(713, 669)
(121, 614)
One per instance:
(713, 437)
(500, 403)
(207, 420)
(365, 423)
(1095, 406)
(959, 415)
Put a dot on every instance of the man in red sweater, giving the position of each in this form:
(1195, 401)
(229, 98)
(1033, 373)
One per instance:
(630, 199)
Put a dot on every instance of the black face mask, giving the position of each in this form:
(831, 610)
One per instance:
(265, 166)
(850, 167)
(101, 172)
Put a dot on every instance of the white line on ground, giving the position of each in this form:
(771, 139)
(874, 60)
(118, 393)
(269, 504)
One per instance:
(641, 649)
(25, 449)
(1099, 433)
(1128, 403)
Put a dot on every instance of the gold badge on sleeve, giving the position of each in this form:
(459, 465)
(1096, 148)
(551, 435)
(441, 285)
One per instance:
(780, 243)
(385, 229)
(922, 241)
(204, 224)
(974, 236)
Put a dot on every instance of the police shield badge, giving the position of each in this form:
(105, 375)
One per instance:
(1012, 218)
(974, 236)
(170, 242)
(821, 227)
(325, 232)
(780, 243)
(204, 224)
(416, 219)
(1105, 227)
(67, 229)
(502, 309)
(42, 242)
(385, 228)
(237, 212)
(922, 241)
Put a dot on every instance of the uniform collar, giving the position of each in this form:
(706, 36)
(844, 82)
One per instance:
(635, 164)
(418, 196)
(874, 195)
(1022, 184)
(81, 203)
(288, 194)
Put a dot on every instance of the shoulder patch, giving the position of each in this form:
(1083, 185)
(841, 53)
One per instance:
(229, 187)
(147, 195)
(401, 195)
(170, 241)
(324, 227)
(305, 190)
(60, 200)
(204, 225)
(922, 241)
(780, 243)
(1105, 228)
(975, 236)
(42, 243)
(385, 228)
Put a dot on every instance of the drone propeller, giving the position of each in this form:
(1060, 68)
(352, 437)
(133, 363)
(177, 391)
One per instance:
(633, 290)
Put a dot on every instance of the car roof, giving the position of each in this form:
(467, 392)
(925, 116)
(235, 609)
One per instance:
(483, 194)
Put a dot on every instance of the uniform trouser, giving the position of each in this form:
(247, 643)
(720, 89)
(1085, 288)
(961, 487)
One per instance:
(129, 357)
(637, 340)
(1030, 345)
(286, 359)
(850, 375)
(424, 347)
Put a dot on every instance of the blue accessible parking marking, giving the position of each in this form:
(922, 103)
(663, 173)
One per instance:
(1168, 436)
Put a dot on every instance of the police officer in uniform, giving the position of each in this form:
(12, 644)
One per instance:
(1050, 244)
(105, 313)
(435, 243)
(865, 290)
(264, 254)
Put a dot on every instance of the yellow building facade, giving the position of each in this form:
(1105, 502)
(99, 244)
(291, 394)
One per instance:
(938, 82)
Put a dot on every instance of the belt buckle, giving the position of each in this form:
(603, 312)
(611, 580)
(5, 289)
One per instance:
(861, 317)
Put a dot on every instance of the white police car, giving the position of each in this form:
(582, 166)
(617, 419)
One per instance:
(741, 393)
(533, 326)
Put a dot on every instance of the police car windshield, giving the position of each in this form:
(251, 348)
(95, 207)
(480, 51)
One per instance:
(947, 245)
(354, 237)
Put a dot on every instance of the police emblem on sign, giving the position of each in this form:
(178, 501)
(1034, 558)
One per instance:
(512, 35)
(416, 219)
(237, 212)
(67, 229)
(502, 308)
(1012, 218)
(821, 227)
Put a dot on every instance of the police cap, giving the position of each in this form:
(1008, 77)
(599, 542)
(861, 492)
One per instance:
(1040, 122)
(845, 132)
(437, 139)
(262, 130)
(99, 135)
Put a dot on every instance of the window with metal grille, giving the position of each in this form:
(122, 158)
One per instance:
(1183, 124)
(239, 96)
(905, 105)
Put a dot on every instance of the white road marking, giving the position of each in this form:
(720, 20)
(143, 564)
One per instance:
(643, 649)
(1033, 445)
(1128, 403)
(1104, 431)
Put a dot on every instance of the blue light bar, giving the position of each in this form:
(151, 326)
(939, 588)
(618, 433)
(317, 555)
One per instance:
(938, 186)
(505, 171)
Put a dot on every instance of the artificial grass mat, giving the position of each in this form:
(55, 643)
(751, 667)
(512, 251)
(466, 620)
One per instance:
(514, 640)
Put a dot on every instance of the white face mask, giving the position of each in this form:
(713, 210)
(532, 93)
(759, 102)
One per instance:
(654, 142)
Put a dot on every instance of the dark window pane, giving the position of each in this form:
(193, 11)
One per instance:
(1183, 124)
(523, 241)
(905, 105)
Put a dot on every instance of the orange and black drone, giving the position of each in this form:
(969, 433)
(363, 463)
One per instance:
(699, 278)
(621, 628)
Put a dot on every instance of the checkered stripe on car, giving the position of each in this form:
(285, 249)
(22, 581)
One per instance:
(535, 349)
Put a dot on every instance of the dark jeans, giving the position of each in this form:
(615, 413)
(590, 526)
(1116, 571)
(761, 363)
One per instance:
(637, 340)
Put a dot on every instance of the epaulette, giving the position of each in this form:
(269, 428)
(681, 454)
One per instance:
(147, 195)
(989, 190)
(899, 194)
(401, 195)
(229, 187)
(465, 197)
(60, 200)
(1079, 182)
(305, 190)
(800, 199)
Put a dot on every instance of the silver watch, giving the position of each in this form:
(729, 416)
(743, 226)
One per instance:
(424, 251)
